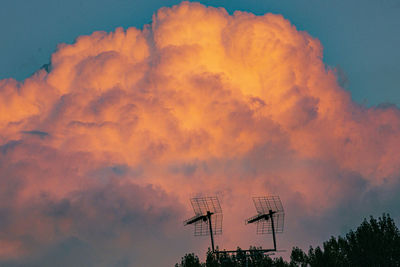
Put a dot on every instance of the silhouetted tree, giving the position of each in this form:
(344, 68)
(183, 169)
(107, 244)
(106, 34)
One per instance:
(374, 243)
(239, 259)
(298, 257)
(189, 260)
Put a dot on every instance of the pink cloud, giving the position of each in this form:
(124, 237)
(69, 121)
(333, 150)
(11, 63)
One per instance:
(104, 151)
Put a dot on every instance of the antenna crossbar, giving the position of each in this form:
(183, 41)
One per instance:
(197, 218)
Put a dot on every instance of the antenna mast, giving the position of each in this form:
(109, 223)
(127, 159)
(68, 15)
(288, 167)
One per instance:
(205, 208)
(270, 216)
(208, 219)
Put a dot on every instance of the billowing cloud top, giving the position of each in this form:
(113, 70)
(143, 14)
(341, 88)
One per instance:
(99, 155)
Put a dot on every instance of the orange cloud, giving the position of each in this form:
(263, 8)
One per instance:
(198, 101)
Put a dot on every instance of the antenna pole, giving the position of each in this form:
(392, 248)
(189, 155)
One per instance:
(211, 232)
(273, 227)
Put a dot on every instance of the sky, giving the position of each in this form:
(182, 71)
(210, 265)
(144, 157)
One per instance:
(359, 37)
(114, 114)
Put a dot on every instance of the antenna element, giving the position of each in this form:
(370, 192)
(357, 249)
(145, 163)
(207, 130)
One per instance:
(208, 217)
(270, 216)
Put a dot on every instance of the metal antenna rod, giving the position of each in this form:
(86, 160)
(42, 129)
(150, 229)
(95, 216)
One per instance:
(273, 227)
(205, 208)
(211, 232)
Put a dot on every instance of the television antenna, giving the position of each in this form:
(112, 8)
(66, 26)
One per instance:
(270, 216)
(206, 208)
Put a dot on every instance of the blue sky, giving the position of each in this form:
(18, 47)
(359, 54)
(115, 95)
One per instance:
(359, 37)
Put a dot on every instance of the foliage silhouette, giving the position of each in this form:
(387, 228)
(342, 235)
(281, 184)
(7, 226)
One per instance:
(189, 260)
(373, 243)
(254, 258)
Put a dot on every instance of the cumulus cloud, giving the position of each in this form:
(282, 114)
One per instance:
(100, 152)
